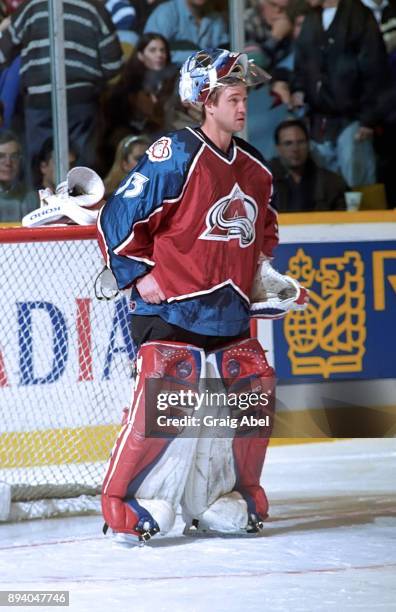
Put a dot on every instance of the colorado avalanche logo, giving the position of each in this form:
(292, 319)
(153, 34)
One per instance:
(232, 217)
(160, 150)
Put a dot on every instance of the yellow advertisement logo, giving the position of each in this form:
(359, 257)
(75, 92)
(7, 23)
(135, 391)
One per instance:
(381, 278)
(329, 336)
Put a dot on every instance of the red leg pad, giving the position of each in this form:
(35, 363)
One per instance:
(244, 369)
(134, 455)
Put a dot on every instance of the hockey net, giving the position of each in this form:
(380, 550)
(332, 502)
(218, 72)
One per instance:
(65, 372)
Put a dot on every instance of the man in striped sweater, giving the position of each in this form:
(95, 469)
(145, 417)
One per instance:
(92, 57)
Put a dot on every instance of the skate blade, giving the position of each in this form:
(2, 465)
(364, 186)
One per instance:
(126, 540)
(212, 533)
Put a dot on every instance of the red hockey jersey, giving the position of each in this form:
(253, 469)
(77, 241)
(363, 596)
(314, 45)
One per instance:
(198, 218)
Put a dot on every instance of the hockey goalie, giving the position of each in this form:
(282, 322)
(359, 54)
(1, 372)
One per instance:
(191, 233)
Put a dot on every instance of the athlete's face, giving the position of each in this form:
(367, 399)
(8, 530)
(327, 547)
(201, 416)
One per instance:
(229, 110)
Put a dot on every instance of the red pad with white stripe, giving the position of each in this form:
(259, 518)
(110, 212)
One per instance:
(140, 464)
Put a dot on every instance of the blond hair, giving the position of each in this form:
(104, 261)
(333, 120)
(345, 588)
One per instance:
(123, 151)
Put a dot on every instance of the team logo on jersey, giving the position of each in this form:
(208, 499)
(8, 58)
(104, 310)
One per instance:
(160, 150)
(232, 217)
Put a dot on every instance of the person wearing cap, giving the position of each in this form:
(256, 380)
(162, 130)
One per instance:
(185, 231)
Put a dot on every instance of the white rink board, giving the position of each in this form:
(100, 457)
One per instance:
(46, 280)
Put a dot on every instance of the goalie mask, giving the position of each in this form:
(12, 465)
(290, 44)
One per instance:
(203, 71)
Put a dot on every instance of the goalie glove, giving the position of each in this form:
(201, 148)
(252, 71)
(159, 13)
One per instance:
(82, 189)
(274, 294)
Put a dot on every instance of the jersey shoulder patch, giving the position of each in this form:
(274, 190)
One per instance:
(160, 150)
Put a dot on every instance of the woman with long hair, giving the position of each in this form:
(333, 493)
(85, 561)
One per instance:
(129, 151)
(136, 103)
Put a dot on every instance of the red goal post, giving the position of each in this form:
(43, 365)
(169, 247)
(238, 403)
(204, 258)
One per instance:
(65, 371)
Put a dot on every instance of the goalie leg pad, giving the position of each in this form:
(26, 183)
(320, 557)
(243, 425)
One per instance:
(249, 446)
(227, 514)
(145, 470)
(243, 369)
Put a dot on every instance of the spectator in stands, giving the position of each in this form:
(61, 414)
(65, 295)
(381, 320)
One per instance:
(129, 151)
(93, 55)
(300, 185)
(268, 31)
(340, 69)
(15, 199)
(297, 12)
(10, 92)
(189, 25)
(142, 11)
(281, 25)
(384, 12)
(137, 103)
(9, 6)
(123, 16)
(9, 76)
(44, 165)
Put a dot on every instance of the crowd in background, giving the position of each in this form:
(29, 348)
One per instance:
(333, 68)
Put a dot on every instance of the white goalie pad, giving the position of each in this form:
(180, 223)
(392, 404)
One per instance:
(274, 294)
(82, 189)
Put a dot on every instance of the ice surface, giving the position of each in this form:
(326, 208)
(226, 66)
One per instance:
(330, 544)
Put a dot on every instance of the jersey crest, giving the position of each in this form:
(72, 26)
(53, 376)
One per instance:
(232, 217)
(160, 150)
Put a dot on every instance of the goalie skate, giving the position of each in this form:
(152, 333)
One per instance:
(254, 529)
(127, 540)
(227, 517)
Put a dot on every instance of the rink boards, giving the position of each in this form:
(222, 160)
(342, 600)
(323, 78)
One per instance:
(339, 353)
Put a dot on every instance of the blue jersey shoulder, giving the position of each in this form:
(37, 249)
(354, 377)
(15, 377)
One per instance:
(164, 168)
(158, 177)
(156, 182)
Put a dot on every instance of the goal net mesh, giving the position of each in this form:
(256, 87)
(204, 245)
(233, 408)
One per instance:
(65, 368)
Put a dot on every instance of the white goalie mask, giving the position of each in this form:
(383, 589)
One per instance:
(203, 71)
